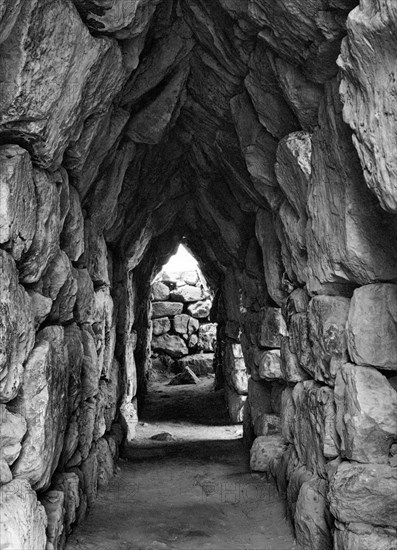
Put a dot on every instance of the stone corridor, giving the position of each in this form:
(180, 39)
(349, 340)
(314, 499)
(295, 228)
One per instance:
(261, 134)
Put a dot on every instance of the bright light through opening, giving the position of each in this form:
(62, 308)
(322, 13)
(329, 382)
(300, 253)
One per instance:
(182, 260)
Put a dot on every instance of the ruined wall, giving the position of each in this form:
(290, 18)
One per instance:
(262, 131)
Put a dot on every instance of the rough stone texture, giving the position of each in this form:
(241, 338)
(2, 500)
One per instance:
(16, 328)
(23, 519)
(160, 291)
(265, 450)
(372, 326)
(269, 365)
(187, 376)
(259, 398)
(327, 316)
(364, 493)
(12, 431)
(366, 420)
(206, 337)
(181, 323)
(361, 536)
(272, 328)
(235, 405)
(200, 310)
(187, 293)
(290, 369)
(200, 363)
(42, 402)
(17, 200)
(161, 326)
(53, 502)
(171, 345)
(72, 236)
(312, 519)
(164, 309)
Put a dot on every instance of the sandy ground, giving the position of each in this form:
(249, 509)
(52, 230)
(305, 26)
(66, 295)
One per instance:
(193, 491)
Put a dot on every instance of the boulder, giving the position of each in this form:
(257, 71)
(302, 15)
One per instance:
(200, 363)
(43, 403)
(266, 449)
(290, 369)
(17, 200)
(171, 345)
(85, 305)
(200, 310)
(23, 519)
(272, 328)
(41, 307)
(364, 493)
(312, 518)
(235, 405)
(161, 326)
(187, 376)
(12, 430)
(68, 483)
(5, 472)
(160, 292)
(362, 536)
(166, 309)
(269, 365)
(72, 236)
(372, 326)
(181, 323)
(53, 502)
(187, 293)
(59, 284)
(207, 337)
(366, 414)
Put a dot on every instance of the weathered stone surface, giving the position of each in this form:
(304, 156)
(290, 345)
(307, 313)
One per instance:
(187, 376)
(265, 449)
(234, 368)
(290, 369)
(166, 309)
(23, 519)
(269, 365)
(12, 431)
(272, 328)
(68, 483)
(5, 472)
(67, 95)
(366, 420)
(299, 342)
(366, 60)
(161, 326)
(90, 370)
(364, 493)
(267, 424)
(53, 502)
(72, 236)
(171, 345)
(41, 307)
(315, 436)
(235, 405)
(49, 189)
(200, 363)
(16, 328)
(287, 415)
(95, 254)
(372, 326)
(361, 536)
(327, 317)
(129, 418)
(105, 462)
(200, 310)
(181, 323)
(59, 284)
(312, 518)
(42, 401)
(17, 200)
(160, 291)
(206, 337)
(187, 293)
(89, 469)
(85, 305)
(259, 398)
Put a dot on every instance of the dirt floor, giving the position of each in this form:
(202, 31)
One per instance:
(188, 490)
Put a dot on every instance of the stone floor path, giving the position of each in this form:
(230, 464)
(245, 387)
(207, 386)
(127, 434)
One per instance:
(192, 491)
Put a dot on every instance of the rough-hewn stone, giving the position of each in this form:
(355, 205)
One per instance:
(164, 309)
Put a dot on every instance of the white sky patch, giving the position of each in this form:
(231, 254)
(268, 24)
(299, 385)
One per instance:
(182, 260)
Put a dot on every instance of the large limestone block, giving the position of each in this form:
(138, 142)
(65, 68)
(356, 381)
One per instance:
(68, 483)
(269, 365)
(290, 369)
(53, 502)
(267, 424)
(48, 107)
(41, 307)
(315, 436)
(160, 292)
(364, 493)
(341, 248)
(312, 518)
(272, 328)
(266, 449)
(299, 342)
(75, 351)
(60, 285)
(372, 326)
(327, 317)
(129, 418)
(23, 519)
(171, 345)
(235, 405)
(43, 403)
(105, 330)
(86, 426)
(200, 310)
(368, 87)
(200, 363)
(234, 368)
(259, 398)
(181, 323)
(287, 415)
(187, 293)
(105, 462)
(50, 191)
(361, 536)
(17, 200)
(89, 470)
(366, 406)
(271, 250)
(85, 305)
(12, 431)
(162, 325)
(112, 390)
(90, 370)
(16, 328)
(166, 309)
(72, 236)
(207, 337)
(96, 254)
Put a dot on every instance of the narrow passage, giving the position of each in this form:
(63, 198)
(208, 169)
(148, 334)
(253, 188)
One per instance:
(188, 490)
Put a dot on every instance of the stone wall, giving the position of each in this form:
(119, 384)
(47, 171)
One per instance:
(182, 334)
(261, 132)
